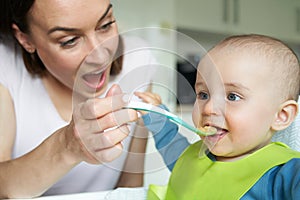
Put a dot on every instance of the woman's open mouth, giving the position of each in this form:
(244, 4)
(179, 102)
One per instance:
(95, 80)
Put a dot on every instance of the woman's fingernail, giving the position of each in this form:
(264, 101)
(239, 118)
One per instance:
(139, 115)
(126, 98)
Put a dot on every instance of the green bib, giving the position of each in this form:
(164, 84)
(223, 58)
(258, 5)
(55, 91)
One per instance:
(195, 177)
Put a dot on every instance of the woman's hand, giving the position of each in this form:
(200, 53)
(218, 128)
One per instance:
(99, 126)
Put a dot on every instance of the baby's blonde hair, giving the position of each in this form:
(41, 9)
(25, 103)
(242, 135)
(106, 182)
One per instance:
(284, 61)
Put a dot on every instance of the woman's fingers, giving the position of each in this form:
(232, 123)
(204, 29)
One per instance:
(95, 108)
(107, 139)
(117, 118)
(108, 121)
(114, 90)
(100, 145)
(111, 120)
(100, 125)
(109, 154)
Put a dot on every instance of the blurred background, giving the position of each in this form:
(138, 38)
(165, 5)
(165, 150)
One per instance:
(186, 29)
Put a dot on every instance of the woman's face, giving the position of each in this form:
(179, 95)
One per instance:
(64, 32)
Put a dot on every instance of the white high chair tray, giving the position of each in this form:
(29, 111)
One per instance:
(117, 194)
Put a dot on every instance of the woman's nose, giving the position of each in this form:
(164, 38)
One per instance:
(98, 54)
(93, 41)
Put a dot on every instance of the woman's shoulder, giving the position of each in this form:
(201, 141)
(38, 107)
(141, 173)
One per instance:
(139, 63)
(11, 63)
(10, 52)
(137, 50)
(133, 42)
(7, 45)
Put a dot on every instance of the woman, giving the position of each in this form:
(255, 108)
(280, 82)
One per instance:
(46, 146)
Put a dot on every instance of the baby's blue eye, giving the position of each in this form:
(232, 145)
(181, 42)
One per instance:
(202, 95)
(233, 97)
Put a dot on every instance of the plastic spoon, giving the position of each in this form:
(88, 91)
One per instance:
(205, 131)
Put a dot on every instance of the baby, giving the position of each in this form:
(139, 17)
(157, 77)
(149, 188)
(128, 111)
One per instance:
(247, 88)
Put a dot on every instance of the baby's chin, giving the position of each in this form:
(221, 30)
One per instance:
(222, 156)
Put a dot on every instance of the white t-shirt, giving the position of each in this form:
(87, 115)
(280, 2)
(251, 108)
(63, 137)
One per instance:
(37, 118)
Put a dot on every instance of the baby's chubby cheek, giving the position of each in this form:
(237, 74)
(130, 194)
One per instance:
(196, 116)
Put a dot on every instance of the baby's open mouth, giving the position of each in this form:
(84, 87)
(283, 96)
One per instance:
(218, 136)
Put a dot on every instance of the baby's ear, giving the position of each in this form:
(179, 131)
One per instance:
(286, 114)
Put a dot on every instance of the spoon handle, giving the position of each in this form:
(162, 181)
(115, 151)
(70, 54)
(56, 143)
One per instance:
(151, 108)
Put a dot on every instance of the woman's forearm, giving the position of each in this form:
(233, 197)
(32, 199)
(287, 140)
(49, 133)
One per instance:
(32, 174)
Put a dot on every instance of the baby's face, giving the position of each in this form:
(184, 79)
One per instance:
(235, 94)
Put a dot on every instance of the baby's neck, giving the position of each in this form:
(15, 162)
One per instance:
(230, 159)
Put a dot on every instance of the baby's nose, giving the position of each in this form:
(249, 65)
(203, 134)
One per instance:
(213, 107)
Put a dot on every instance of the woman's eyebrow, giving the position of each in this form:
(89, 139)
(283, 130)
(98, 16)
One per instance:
(66, 29)
(106, 12)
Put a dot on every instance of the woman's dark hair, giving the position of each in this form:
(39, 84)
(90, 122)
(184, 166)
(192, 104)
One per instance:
(16, 12)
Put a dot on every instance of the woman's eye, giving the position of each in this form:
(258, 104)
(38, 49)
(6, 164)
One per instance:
(203, 95)
(69, 43)
(107, 25)
(233, 97)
